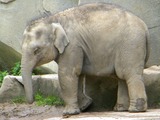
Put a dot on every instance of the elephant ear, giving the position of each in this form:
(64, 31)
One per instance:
(61, 40)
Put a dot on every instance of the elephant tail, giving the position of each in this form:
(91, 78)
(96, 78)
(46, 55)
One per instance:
(147, 47)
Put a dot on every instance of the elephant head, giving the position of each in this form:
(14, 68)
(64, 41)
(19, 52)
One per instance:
(42, 43)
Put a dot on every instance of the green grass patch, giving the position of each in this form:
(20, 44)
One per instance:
(41, 100)
(20, 100)
(49, 100)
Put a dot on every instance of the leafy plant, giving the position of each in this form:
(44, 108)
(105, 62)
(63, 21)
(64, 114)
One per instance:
(16, 70)
(37, 71)
(49, 100)
(2, 75)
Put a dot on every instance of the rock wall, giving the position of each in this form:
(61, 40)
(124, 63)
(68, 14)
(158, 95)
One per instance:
(15, 14)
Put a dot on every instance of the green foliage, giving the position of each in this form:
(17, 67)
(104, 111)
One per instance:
(50, 100)
(16, 70)
(2, 75)
(37, 71)
(41, 100)
(19, 100)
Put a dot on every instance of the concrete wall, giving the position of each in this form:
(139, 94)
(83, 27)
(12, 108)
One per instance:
(15, 14)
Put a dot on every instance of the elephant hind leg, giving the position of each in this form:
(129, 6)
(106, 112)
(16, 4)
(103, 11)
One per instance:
(84, 100)
(136, 90)
(122, 97)
(137, 94)
(129, 65)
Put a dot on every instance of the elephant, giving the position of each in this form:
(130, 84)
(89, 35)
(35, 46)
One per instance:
(95, 39)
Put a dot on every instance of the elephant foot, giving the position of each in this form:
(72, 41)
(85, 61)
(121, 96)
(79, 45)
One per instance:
(85, 102)
(120, 107)
(139, 106)
(70, 110)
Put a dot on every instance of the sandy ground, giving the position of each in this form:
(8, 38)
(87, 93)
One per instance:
(14, 111)
(151, 114)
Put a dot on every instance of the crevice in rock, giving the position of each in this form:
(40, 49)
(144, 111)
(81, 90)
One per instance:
(154, 27)
(46, 12)
(6, 1)
(42, 11)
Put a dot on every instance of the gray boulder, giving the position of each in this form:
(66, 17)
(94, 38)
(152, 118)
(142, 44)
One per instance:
(152, 83)
(8, 57)
(11, 89)
(12, 86)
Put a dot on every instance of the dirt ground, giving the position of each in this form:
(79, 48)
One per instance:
(15, 111)
(12, 111)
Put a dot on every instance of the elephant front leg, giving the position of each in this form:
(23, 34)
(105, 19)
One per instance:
(69, 92)
(70, 66)
(122, 97)
(84, 100)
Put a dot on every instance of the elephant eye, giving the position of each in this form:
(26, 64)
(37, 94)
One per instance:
(38, 34)
(37, 50)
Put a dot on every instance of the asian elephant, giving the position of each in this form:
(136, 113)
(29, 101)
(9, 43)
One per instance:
(96, 39)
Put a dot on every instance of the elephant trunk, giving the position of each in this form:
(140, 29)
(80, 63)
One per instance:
(26, 71)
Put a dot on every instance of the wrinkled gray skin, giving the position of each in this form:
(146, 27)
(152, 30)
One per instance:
(94, 39)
